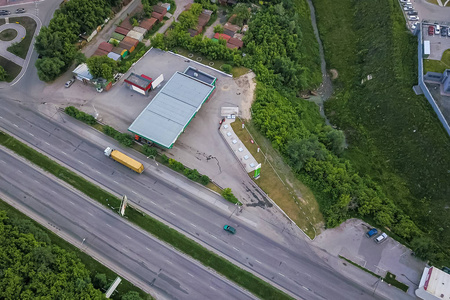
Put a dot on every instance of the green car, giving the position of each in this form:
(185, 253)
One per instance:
(229, 229)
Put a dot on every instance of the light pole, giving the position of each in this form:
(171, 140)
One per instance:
(154, 159)
(236, 206)
(83, 241)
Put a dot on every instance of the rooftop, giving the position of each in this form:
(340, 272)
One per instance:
(206, 78)
(171, 110)
(139, 81)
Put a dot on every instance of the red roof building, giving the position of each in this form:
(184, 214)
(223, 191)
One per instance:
(157, 16)
(148, 23)
(236, 42)
(160, 9)
(105, 47)
(100, 52)
(122, 30)
(222, 36)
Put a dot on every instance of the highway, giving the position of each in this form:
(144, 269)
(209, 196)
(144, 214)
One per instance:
(169, 274)
(200, 214)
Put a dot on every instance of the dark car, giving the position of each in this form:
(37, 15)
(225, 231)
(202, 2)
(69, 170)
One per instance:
(371, 232)
(412, 13)
(20, 10)
(4, 12)
(430, 30)
(229, 229)
(444, 31)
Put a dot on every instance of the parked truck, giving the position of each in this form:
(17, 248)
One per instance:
(124, 160)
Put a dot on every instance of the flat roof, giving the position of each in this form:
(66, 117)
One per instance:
(139, 81)
(193, 72)
(171, 110)
(438, 283)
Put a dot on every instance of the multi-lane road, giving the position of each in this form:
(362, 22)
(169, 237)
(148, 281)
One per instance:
(198, 213)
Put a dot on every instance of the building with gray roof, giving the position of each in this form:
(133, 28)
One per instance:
(172, 109)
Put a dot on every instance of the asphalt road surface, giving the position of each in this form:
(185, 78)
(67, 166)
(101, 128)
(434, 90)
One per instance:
(170, 274)
(197, 212)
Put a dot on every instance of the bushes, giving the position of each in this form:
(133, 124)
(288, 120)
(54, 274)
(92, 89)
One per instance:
(193, 175)
(122, 138)
(228, 195)
(226, 68)
(80, 115)
(149, 151)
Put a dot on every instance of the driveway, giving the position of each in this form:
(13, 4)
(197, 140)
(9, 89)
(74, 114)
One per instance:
(21, 32)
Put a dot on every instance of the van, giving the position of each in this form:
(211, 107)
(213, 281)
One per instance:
(381, 238)
(371, 232)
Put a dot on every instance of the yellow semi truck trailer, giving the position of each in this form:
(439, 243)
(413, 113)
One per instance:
(124, 160)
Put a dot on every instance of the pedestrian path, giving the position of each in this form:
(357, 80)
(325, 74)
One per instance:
(21, 32)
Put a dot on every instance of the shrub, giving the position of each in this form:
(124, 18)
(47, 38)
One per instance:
(80, 115)
(164, 158)
(204, 180)
(226, 68)
(218, 29)
(149, 151)
(228, 195)
(177, 166)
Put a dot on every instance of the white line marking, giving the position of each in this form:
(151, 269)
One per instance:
(3, 162)
(148, 249)
(128, 236)
(47, 143)
(193, 225)
(212, 288)
(115, 181)
(190, 274)
(134, 192)
(16, 125)
(64, 152)
(36, 181)
(214, 237)
(98, 172)
(71, 202)
(172, 213)
(281, 274)
(258, 261)
(90, 213)
(54, 192)
(235, 248)
(20, 171)
(305, 287)
(108, 225)
(31, 134)
(81, 162)
(169, 262)
(152, 202)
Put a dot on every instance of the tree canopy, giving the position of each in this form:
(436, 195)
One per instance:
(102, 66)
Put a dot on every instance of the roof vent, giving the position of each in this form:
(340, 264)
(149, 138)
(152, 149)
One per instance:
(195, 74)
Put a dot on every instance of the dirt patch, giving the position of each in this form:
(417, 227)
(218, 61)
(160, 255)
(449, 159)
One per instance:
(334, 74)
(247, 85)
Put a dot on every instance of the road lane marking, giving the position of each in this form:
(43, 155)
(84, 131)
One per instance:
(258, 261)
(281, 274)
(235, 248)
(64, 152)
(115, 181)
(193, 225)
(212, 288)
(20, 171)
(148, 249)
(152, 202)
(81, 162)
(172, 213)
(30, 134)
(54, 192)
(128, 236)
(47, 143)
(36, 181)
(169, 262)
(73, 203)
(90, 213)
(190, 274)
(108, 225)
(3, 162)
(16, 125)
(98, 172)
(134, 192)
(214, 237)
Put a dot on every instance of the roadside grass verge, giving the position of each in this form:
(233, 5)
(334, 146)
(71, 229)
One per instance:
(163, 232)
(21, 49)
(8, 34)
(430, 65)
(283, 188)
(390, 278)
(11, 68)
(90, 263)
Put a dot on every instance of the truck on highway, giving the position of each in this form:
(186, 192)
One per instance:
(124, 160)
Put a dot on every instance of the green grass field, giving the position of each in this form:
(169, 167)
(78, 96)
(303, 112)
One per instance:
(11, 68)
(21, 49)
(8, 34)
(439, 66)
(394, 136)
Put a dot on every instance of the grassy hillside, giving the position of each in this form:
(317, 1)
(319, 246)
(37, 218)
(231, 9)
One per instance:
(394, 135)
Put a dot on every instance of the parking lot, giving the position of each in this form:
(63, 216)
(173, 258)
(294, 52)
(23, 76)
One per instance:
(438, 43)
(349, 241)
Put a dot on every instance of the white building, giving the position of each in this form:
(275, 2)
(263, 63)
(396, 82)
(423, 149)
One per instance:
(434, 285)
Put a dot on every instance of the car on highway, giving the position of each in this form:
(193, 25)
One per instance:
(20, 10)
(69, 83)
(229, 229)
(371, 232)
(430, 30)
(381, 238)
(4, 12)
(413, 18)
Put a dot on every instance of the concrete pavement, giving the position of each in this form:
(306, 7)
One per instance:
(21, 32)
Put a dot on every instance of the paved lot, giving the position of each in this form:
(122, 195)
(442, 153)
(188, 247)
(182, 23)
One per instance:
(438, 43)
(21, 32)
(349, 240)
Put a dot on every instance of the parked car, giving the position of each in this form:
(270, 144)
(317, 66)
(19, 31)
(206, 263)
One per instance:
(413, 18)
(407, 3)
(437, 29)
(4, 12)
(448, 32)
(430, 30)
(20, 10)
(406, 8)
(412, 13)
(229, 229)
(371, 232)
(404, 1)
(381, 238)
(69, 83)
(444, 31)
(414, 25)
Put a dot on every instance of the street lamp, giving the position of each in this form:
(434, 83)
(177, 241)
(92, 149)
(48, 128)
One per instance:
(153, 159)
(83, 241)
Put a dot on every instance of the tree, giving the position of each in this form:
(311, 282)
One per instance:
(49, 68)
(100, 281)
(131, 295)
(80, 58)
(301, 150)
(188, 19)
(149, 151)
(242, 13)
(101, 66)
(3, 74)
(218, 29)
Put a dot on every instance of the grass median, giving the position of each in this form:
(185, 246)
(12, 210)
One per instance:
(163, 232)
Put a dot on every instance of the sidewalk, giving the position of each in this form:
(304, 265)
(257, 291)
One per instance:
(21, 32)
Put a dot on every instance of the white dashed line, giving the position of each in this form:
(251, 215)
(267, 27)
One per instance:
(258, 261)
(108, 225)
(20, 171)
(128, 237)
(90, 213)
(148, 249)
(16, 125)
(235, 248)
(47, 143)
(98, 172)
(81, 162)
(3, 162)
(116, 182)
(64, 152)
(74, 204)
(190, 274)
(30, 134)
(193, 225)
(214, 236)
(152, 202)
(134, 192)
(172, 213)
(212, 288)
(169, 262)
(281, 274)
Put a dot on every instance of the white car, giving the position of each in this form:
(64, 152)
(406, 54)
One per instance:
(437, 29)
(413, 18)
(406, 8)
(381, 238)
(414, 25)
